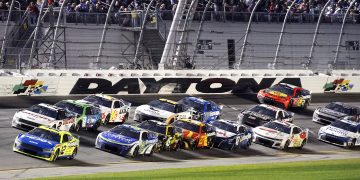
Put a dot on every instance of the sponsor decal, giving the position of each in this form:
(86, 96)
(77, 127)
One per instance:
(182, 85)
(338, 85)
(30, 87)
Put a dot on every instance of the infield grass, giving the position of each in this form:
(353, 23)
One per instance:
(324, 169)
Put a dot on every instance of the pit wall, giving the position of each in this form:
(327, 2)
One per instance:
(122, 82)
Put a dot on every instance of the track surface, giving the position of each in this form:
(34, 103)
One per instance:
(89, 159)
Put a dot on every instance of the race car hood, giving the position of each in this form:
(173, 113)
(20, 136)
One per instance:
(331, 112)
(270, 133)
(35, 117)
(117, 138)
(337, 132)
(37, 141)
(256, 116)
(152, 111)
(223, 134)
(186, 134)
(276, 93)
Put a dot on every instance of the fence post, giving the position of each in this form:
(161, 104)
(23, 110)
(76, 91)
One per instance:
(2, 53)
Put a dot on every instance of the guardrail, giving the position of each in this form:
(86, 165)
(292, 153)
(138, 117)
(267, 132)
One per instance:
(75, 82)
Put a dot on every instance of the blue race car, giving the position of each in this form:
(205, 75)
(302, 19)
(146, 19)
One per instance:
(203, 110)
(231, 135)
(47, 143)
(127, 140)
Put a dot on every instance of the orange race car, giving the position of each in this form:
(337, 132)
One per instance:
(195, 134)
(285, 96)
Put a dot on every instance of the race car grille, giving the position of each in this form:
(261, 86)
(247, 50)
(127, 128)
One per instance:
(333, 139)
(110, 148)
(30, 123)
(325, 119)
(265, 142)
(30, 147)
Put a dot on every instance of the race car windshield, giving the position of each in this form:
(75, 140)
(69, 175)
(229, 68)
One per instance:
(344, 126)
(44, 111)
(192, 104)
(45, 134)
(264, 111)
(283, 89)
(339, 108)
(126, 132)
(224, 126)
(153, 127)
(187, 126)
(70, 107)
(278, 127)
(162, 105)
(99, 101)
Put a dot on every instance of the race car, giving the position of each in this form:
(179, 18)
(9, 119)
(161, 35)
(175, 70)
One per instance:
(163, 110)
(127, 140)
(203, 110)
(194, 134)
(88, 117)
(262, 113)
(113, 110)
(285, 96)
(44, 114)
(168, 138)
(335, 111)
(47, 143)
(231, 135)
(344, 132)
(281, 135)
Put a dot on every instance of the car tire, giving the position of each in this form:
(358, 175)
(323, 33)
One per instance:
(55, 156)
(107, 119)
(306, 104)
(136, 152)
(151, 152)
(125, 119)
(286, 146)
(74, 153)
(96, 126)
(78, 126)
(302, 144)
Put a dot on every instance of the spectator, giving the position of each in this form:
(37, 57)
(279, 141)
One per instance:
(33, 13)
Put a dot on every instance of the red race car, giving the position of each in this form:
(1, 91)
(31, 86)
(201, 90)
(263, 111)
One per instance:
(285, 96)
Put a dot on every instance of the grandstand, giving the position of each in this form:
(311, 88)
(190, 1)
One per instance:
(180, 34)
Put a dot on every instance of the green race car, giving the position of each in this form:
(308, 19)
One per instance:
(88, 116)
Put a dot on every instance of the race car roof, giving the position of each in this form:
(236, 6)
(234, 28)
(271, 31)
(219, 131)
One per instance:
(80, 103)
(234, 123)
(192, 121)
(196, 99)
(350, 122)
(289, 85)
(52, 107)
(157, 122)
(269, 107)
(110, 98)
(346, 105)
(134, 128)
(168, 101)
(285, 123)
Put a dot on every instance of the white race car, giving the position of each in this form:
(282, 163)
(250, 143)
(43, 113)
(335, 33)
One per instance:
(44, 114)
(344, 132)
(280, 135)
(162, 110)
(112, 109)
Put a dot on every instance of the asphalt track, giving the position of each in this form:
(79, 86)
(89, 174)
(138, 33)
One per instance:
(91, 160)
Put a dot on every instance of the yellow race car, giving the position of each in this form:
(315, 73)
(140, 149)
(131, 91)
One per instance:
(47, 143)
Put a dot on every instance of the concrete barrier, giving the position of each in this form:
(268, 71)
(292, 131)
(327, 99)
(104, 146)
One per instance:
(122, 82)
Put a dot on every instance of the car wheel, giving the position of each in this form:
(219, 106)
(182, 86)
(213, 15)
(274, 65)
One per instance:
(302, 144)
(107, 119)
(56, 155)
(286, 146)
(306, 104)
(151, 152)
(78, 126)
(136, 152)
(125, 118)
(73, 154)
(96, 126)
(352, 144)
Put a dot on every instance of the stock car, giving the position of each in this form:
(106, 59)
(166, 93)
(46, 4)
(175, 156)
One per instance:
(88, 116)
(163, 110)
(113, 110)
(168, 138)
(285, 96)
(263, 113)
(194, 134)
(47, 144)
(281, 135)
(344, 132)
(44, 114)
(231, 135)
(335, 111)
(127, 140)
(202, 110)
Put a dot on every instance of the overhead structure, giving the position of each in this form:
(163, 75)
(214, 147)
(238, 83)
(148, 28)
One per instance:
(175, 52)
